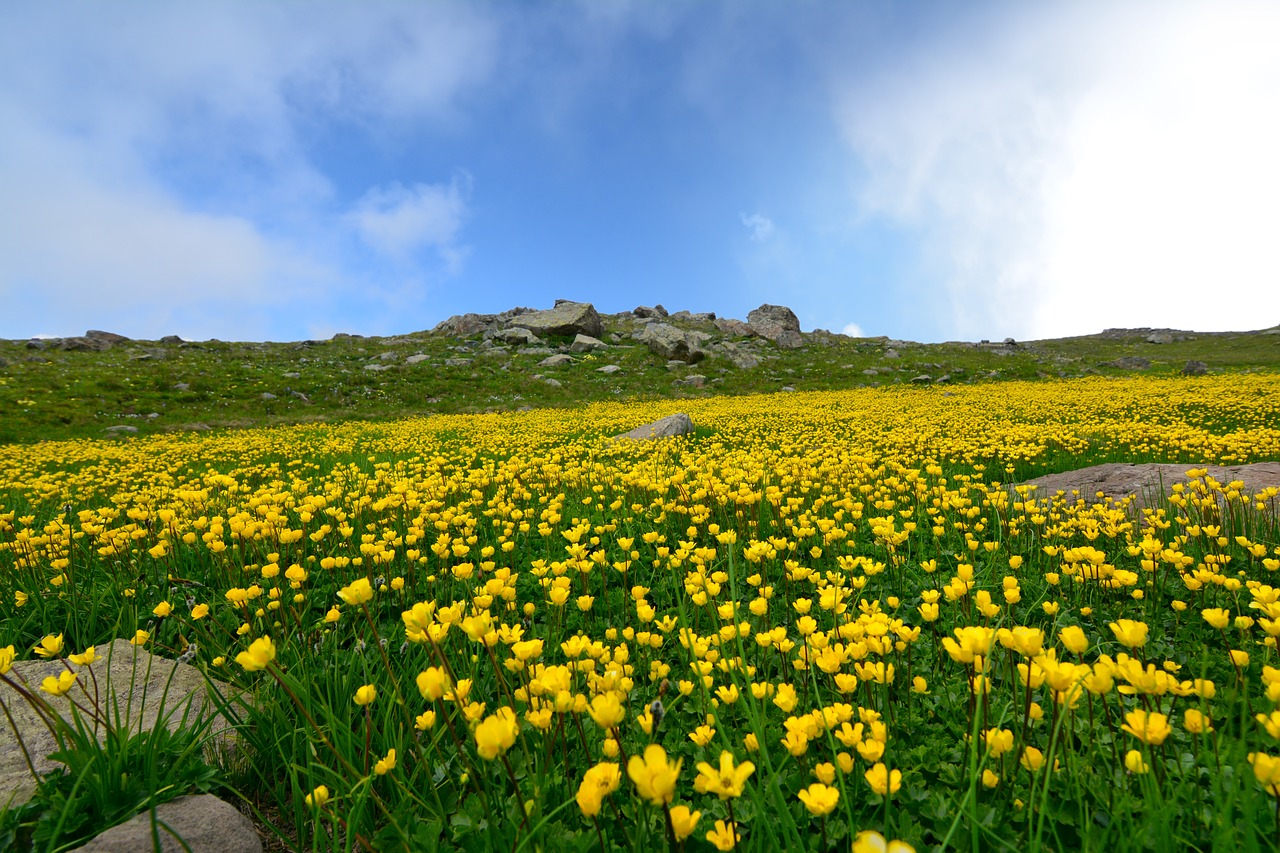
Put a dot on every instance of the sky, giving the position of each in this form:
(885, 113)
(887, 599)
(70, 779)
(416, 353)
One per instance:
(923, 170)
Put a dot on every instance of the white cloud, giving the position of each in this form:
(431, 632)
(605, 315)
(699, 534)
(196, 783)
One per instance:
(1081, 166)
(760, 226)
(853, 330)
(399, 221)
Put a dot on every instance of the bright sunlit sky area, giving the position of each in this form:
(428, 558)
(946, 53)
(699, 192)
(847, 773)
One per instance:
(931, 171)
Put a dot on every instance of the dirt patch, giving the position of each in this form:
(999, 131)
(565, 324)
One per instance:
(1150, 482)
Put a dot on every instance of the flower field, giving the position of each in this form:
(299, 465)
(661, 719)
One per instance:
(825, 620)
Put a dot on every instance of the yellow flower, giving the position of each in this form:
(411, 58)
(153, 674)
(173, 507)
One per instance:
(597, 783)
(1133, 762)
(584, 602)
(725, 782)
(1197, 722)
(140, 637)
(653, 775)
(333, 615)
(1266, 769)
(990, 779)
(60, 685)
(162, 609)
(318, 797)
(702, 735)
(1130, 633)
(260, 653)
(385, 764)
(724, 836)
(1217, 617)
(200, 611)
(683, 821)
(359, 591)
(1032, 759)
(607, 710)
(870, 841)
(50, 646)
(1074, 639)
(882, 781)
(496, 734)
(1150, 728)
(88, 656)
(20, 598)
(425, 720)
(999, 741)
(7, 654)
(432, 683)
(820, 799)
(365, 694)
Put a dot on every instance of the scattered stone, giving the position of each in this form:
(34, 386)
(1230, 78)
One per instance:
(132, 684)
(85, 344)
(388, 356)
(556, 361)
(300, 396)
(922, 379)
(378, 367)
(608, 369)
(671, 425)
(171, 339)
(36, 343)
(200, 823)
(730, 326)
(1195, 368)
(517, 335)
(691, 317)
(656, 311)
(586, 343)
(693, 380)
(1131, 362)
(343, 336)
(946, 377)
(415, 359)
(293, 375)
(182, 386)
(790, 389)
(567, 318)
(778, 324)
(457, 362)
(743, 360)
(671, 343)
(197, 427)
(122, 428)
(267, 395)
(870, 371)
(891, 353)
(554, 383)
(109, 338)
(152, 416)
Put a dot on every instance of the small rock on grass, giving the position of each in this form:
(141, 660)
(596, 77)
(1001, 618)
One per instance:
(671, 425)
(201, 823)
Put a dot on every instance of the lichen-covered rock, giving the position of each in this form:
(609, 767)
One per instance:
(567, 318)
(200, 823)
(671, 425)
(778, 324)
(671, 343)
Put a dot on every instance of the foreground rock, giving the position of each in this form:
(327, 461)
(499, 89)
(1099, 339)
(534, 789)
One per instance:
(1150, 483)
(778, 324)
(198, 824)
(566, 319)
(671, 425)
(131, 684)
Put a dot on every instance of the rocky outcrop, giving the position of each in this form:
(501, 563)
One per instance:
(566, 319)
(201, 823)
(671, 425)
(778, 324)
(586, 343)
(655, 312)
(671, 343)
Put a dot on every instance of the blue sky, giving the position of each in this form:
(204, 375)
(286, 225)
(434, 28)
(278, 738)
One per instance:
(932, 171)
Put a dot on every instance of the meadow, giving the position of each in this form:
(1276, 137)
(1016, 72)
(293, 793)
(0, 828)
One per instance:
(826, 620)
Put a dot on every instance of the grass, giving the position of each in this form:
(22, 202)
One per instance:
(442, 629)
(48, 394)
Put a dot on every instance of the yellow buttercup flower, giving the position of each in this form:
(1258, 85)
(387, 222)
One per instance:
(318, 797)
(365, 694)
(86, 657)
(870, 841)
(597, 783)
(7, 655)
(496, 734)
(260, 653)
(883, 781)
(1130, 633)
(683, 821)
(50, 646)
(385, 764)
(1150, 728)
(726, 781)
(653, 775)
(162, 609)
(59, 685)
(821, 799)
(724, 836)
(358, 592)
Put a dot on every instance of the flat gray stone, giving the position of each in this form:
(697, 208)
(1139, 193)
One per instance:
(124, 676)
(672, 343)
(608, 368)
(1149, 482)
(200, 823)
(567, 318)
(415, 359)
(671, 425)
(556, 361)
(586, 343)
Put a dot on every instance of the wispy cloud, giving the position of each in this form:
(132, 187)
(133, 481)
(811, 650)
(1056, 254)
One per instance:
(1082, 165)
(399, 221)
(853, 330)
(760, 226)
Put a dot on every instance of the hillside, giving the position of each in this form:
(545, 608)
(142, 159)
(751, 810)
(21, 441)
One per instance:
(103, 384)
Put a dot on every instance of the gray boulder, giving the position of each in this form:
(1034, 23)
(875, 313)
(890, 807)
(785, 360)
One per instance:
(608, 369)
(128, 679)
(415, 359)
(729, 326)
(466, 325)
(556, 361)
(522, 337)
(655, 312)
(671, 343)
(109, 338)
(778, 324)
(671, 425)
(1131, 362)
(586, 343)
(1195, 368)
(200, 823)
(567, 318)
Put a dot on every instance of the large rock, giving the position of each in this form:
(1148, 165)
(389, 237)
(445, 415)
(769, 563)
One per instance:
(201, 823)
(522, 337)
(655, 312)
(671, 425)
(586, 343)
(131, 684)
(566, 319)
(732, 327)
(110, 338)
(671, 343)
(778, 324)
(466, 325)
(1149, 483)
